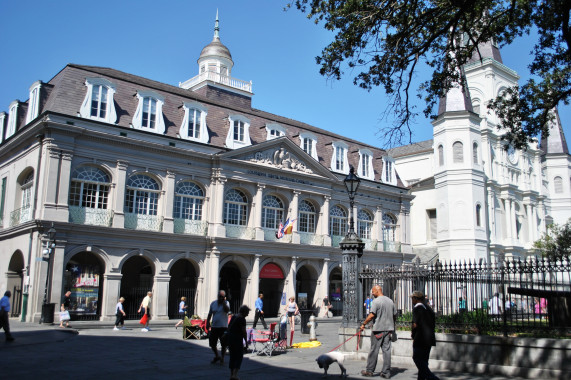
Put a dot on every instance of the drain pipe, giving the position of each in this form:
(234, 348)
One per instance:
(25, 293)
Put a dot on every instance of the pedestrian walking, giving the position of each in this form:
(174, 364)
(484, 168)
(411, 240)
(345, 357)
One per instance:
(292, 310)
(5, 315)
(146, 309)
(422, 333)
(182, 308)
(219, 310)
(367, 305)
(495, 306)
(65, 306)
(120, 315)
(326, 306)
(259, 312)
(236, 336)
(383, 314)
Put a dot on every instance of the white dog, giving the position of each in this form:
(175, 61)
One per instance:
(325, 360)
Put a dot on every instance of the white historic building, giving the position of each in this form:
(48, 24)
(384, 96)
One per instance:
(475, 197)
(180, 190)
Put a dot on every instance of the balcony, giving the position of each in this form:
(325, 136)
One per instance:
(270, 235)
(370, 245)
(91, 216)
(190, 227)
(335, 240)
(217, 78)
(239, 232)
(310, 238)
(20, 216)
(143, 222)
(391, 246)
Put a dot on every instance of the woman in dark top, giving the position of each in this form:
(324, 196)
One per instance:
(236, 336)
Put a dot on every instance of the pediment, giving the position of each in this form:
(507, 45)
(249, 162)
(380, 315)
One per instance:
(281, 154)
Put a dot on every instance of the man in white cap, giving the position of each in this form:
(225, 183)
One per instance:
(423, 338)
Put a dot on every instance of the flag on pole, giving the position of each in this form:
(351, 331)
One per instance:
(280, 231)
(288, 226)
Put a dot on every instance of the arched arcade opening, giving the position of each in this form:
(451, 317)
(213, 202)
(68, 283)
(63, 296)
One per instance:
(336, 291)
(83, 277)
(306, 281)
(231, 283)
(138, 277)
(271, 284)
(183, 281)
(15, 281)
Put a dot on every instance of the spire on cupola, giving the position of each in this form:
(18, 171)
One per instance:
(216, 28)
(555, 142)
(457, 98)
(488, 49)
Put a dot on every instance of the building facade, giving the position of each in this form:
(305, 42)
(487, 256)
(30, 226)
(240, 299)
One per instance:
(475, 196)
(180, 190)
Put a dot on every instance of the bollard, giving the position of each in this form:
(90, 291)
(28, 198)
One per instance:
(312, 324)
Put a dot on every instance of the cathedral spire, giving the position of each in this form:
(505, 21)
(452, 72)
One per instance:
(488, 49)
(216, 28)
(555, 142)
(457, 98)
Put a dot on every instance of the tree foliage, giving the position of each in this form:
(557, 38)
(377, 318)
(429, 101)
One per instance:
(556, 242)
(386, 41)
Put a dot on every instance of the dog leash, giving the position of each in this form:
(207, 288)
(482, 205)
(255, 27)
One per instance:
(357, 334)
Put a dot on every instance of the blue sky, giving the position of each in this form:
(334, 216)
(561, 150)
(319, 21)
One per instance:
(161, 40)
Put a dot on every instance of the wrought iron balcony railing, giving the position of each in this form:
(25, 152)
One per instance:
(91, 216)
(270, 235)
(190, 227)
(309, 238)
(20, 216)
(239, 232)
(391, 246)
(143, 222)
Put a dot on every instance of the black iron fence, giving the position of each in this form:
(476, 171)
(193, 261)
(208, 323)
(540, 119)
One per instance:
(16, 309)
(507, 296)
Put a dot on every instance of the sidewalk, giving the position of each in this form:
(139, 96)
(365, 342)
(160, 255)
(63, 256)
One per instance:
(92, 350)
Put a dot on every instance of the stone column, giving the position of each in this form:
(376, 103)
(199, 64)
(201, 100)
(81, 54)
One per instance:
(492, 216)
(513, 220)
(376, 233)
(294, 210)
(291, 278)
(324, 219)
(56, 275)
(257, 211)
(216, 226)
(51, 178)
(119, 199)
(324, 283)
(529, 214)
(168, 209)
(63, 191)
(254, 282)
(160, 308)
(535, 227)
(213, 272)
(202, 303)
(508, 219)
(110, 296)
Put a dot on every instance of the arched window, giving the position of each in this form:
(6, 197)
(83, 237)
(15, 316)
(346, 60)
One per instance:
(475, 153)
(272, 212)
(188, 201)
(476, 106)
(458, 152)
(89, 188)
(337, 221)
(478, 216)
(26, 189)
(142, 196)
(235, 208)
(440, 155)
(389, 227)
(558, 184)
(307, 217)
(364, 224)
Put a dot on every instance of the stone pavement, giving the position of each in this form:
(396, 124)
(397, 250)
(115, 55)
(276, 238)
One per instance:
(92, 350)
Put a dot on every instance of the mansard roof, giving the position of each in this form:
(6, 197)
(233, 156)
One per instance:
(412, 149)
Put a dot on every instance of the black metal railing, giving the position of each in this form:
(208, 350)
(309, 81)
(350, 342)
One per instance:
(504, 297)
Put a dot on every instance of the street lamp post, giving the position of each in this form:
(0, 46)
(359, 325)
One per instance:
(351, 250)
(47, 312)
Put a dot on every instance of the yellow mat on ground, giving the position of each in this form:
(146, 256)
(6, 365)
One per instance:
(315, 343)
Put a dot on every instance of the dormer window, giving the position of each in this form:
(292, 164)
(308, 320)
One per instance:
(274, 131)
(339, 159)
(388, 171)
(12, 118)
(2, 123)
(194, 123)
(34, 102)
(239, 132)
(98, 103)
(366, 164)
(308, 142)
(149, 113)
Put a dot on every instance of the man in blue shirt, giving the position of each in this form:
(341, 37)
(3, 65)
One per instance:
(5, 314)
(260, 312)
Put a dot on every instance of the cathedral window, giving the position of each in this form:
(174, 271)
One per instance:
(478, 215)
(194, 123)
(558, 185)
(475, 153)
(98, 103)
(440, 155)
(458, 152)
(149, 113)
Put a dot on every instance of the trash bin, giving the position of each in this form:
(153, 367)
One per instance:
(305, 314)
(48, 310)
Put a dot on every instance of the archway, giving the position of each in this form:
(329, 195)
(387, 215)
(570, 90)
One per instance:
(306, 282)
(83, 277)
(138, 276)
(271, 284)
(230, 282)
(182, 284)
(14, 281)
(336, 291)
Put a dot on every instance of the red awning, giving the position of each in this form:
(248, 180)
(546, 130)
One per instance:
(271, 270)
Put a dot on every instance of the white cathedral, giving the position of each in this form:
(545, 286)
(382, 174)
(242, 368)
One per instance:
(474, 196)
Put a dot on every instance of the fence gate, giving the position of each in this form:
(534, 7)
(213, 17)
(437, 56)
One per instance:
(17, 301)
(174, 301)
(133, 301)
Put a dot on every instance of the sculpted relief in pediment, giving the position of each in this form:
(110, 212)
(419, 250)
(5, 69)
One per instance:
(280, 158)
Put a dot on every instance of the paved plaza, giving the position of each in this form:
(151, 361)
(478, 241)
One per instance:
(92, 350)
